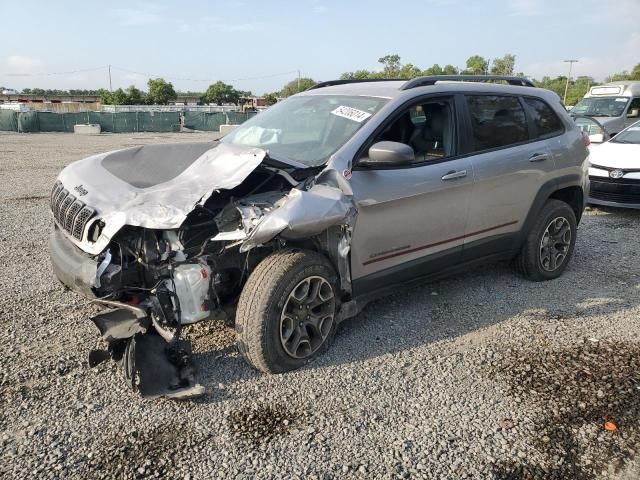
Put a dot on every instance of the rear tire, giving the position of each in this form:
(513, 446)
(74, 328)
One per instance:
(286, 313)
(549, 244)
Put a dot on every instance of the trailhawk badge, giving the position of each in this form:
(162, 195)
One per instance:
(616, 174)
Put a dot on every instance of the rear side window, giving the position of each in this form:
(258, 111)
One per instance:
(496, 121)
(544, 118)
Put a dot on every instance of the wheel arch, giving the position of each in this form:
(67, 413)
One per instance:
(567, 188)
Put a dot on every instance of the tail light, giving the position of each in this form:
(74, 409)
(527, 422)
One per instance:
(585, 139)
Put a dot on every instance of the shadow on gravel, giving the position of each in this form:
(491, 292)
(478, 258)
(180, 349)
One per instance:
(576, 391)
(260, 423)
(145, 454)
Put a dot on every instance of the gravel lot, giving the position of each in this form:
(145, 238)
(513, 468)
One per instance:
(484, 375)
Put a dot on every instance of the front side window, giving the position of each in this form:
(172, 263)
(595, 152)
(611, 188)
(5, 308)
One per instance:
(634, 108)
(306, 129)
(544, 118)
(496, 121)
(600, 107)
(427, 127)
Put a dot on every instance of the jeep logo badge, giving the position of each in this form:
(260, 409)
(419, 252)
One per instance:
(616, 173)
(81, 190)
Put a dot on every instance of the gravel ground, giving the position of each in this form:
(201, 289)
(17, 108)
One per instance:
(484, 375)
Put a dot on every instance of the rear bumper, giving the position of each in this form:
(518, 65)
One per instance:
(74, 268)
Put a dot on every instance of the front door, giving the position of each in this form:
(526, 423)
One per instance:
(411, 220)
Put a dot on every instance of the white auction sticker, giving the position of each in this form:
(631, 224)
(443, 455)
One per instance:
(351, 113)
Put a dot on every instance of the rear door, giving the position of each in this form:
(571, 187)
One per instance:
(513, 140)
(411, 220)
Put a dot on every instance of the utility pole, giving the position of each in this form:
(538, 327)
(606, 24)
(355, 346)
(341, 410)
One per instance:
(110, 78)
(298, 80)
(566, 87)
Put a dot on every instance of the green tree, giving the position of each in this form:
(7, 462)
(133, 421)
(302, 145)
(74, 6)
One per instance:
(270, 99)
(450, 70)
(435, 69)
(625, 75)
(297, 86)
(160, 91)
(476, 65)
(357, 75)
(134, 96)
(504, 65)
(220, 93)
(391, 65)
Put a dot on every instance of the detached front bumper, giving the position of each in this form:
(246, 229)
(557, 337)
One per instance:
(73, 267)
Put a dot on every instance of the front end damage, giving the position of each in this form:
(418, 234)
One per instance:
(160, 250)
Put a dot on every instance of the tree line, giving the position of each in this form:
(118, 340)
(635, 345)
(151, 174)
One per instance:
(392, 67)
(161, 92)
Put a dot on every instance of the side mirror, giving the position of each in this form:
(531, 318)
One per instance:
(388, 154)
(634, 113)
(596, 138)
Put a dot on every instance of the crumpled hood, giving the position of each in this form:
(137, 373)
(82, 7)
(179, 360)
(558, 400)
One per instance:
(155, 186)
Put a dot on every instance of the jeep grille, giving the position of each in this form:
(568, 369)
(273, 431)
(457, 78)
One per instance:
(70, 213)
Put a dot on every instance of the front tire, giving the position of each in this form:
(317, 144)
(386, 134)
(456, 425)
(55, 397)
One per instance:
(550, 243)
(287, 311)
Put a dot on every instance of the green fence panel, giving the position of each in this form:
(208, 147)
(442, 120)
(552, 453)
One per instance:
(158, 121)
(104, 119)
(125, 122)
(236, 118)
(8, 121)
(28, 122)
(206, 121)
(75, 118)
(51, 122)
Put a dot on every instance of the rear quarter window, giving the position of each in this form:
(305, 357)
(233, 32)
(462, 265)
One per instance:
(496, 121)
(545, 120)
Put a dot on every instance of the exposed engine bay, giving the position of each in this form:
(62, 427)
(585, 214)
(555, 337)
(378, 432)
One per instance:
(153, 280)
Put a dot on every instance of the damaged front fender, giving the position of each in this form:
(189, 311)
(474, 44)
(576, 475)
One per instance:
(303, 214)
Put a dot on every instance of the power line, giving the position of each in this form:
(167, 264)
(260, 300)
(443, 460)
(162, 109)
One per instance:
(150, 75)
(47, 74)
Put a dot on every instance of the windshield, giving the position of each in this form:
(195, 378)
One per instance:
(306, 129)
(630, 135)
(601, 107)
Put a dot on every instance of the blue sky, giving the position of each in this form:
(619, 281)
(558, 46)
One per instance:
(259, 45)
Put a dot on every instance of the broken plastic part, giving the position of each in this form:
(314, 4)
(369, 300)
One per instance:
(156, 368)
(120, 323)
(302, 215)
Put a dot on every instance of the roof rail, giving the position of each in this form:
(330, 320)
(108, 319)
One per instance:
(432, 79)
(330, 83)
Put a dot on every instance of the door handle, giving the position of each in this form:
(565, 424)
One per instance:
(453, 175)
(539, 157)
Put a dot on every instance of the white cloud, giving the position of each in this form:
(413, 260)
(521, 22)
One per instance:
(525, 8)
(318, 6)
(22, 62)
(148, 14)
(222, 25)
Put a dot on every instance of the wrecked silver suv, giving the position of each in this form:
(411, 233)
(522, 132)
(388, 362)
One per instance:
(301, 215)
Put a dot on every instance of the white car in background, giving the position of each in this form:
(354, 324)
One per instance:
(614, 172)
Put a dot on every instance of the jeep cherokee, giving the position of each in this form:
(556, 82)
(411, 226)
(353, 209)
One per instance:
(301, 215)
